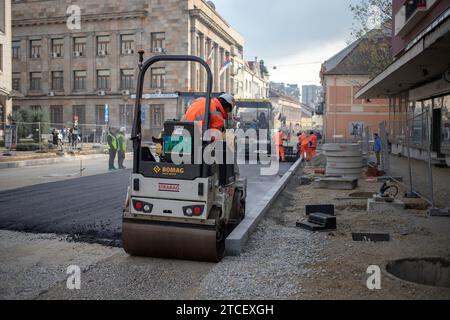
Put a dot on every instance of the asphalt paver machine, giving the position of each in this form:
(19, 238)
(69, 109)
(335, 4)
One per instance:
(180, 211)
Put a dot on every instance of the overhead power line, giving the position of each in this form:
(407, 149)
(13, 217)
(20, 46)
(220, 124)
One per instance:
(294, 64)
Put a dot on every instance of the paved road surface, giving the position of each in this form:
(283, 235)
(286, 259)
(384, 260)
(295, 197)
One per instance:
(89, 208)
(22, 177)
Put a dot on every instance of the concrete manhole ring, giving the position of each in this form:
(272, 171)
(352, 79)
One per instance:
(432, 272)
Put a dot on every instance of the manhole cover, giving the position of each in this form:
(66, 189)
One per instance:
(428, 271)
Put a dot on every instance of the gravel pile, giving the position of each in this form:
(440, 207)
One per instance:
(273, 266)
(278, 258)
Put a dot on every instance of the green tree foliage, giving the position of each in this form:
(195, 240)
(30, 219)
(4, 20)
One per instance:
(27, 121)
(372, 21)
(369, 15)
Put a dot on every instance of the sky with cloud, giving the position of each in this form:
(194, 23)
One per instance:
(293, 35)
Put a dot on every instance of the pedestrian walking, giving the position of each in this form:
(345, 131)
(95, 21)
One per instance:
(55, 137)
(377, 147)
(75, 137)
(122, 147)
(70, 136)
(64, 134)
(319, 138)
(112, 147)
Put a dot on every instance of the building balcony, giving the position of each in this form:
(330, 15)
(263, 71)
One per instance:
(410, 15)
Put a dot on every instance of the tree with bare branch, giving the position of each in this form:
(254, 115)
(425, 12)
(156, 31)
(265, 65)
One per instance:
(372, 25)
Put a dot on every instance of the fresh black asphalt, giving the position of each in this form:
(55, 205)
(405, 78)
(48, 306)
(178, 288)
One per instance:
(89, 209)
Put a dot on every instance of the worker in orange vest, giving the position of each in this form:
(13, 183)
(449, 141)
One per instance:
(220, 108)
(312, 146)
(279, 140)
(303, 144)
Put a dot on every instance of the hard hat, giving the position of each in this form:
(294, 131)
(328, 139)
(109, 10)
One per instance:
(122, 129)
(228, 98)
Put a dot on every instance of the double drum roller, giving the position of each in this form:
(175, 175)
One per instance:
(182, 211)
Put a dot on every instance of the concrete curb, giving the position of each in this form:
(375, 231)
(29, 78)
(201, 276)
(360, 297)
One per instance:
(239, 237)
(41, 162)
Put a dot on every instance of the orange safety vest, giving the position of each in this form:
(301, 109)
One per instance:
(196, 113)
(314, 141)
(279, 136)
(302, 138)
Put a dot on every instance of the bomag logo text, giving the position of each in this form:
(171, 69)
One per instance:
(172, 171)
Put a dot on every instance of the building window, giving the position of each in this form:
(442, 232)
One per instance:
(198, 46)
(2, 16)
(35, 49)
(35, 81)
(15, 108)
(16, 49)
(35, 108)
(427, 109)
(158, 78)
(126, 115)
(57, 48)
(416, 125)
(103, 79)
(158, 41)
(16, 81)
(57, 80)
(127, 79)
(79, 46)
(127, 44)
(412, 6)
(56, 116)
(100, 115)
(445, 144)
(156, 116)
(80, 113)
(2, 116)
(79, 80)
(102, 45)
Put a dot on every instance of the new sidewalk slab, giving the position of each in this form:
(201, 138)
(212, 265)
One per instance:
(239, 237)
(42, 162)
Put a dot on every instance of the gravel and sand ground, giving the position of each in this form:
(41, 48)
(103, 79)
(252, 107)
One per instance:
(279, 262)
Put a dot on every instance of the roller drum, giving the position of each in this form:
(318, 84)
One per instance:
(173, 241)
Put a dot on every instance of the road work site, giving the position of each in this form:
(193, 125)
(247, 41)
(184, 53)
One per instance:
(181, 225)
(40, 241)
(145, 157)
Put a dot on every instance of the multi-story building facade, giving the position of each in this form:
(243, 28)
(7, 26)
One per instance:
(291, 90)
(255, 80)
(311, 95)
(345, 116)
(418, 81)
(288, 111)
(89, 73)
(5, 64)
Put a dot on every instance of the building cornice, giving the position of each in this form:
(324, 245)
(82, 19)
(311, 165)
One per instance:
(84, 18)
(211, 24)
